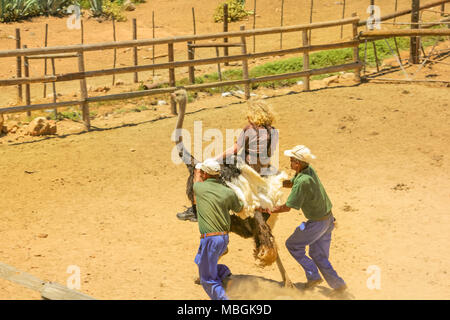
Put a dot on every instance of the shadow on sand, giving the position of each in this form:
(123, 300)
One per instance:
(160, 118)
(248, 287)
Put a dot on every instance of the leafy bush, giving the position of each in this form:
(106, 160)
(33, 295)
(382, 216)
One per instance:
(236, 11)
(113, 10)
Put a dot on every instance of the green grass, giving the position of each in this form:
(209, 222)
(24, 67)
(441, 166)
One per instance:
(71, 115)
(317, 60)
(141, 108)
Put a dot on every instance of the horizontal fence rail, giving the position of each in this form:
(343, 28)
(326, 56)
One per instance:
(139, 94)
(151, 42)
(48, 290)
(406, 11)
(77, 51)
(176, 64)
(404, 33)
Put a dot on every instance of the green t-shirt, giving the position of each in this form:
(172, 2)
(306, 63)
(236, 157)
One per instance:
(214, 202)
(309, 195)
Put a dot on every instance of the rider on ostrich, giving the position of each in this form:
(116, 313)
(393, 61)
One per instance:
(253, 222)
(258, 141)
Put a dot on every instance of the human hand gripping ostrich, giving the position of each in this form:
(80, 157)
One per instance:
(255, 191)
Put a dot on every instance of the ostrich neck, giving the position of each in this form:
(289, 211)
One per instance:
(179, 125)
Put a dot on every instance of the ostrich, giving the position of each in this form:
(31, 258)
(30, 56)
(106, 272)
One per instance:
(255, 226)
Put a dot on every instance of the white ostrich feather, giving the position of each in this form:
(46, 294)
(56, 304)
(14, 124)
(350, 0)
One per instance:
(257, 191)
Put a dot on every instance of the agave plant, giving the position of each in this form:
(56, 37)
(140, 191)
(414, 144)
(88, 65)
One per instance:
(12, 10)
(96, 7)
(53, 7)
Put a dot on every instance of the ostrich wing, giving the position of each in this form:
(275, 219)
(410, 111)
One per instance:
(256, 191)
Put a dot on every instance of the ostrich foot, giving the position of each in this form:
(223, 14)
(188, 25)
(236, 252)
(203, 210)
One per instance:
(288, 284)
(266, 250)
(266, 255)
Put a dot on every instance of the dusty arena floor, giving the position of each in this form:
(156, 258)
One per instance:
(106, 200)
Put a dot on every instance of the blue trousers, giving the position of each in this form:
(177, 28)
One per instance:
(316, 234)
(211, 273)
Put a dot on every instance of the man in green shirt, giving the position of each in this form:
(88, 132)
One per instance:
(214, 202)
(309, 195)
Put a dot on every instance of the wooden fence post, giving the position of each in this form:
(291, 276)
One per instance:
(153, 33)
(372, 12)
(173, 105)
(311, 19)
(191, 57)
(55, 111)
(414, 53)
(193, 20)
(356, 50)
(82, 32)
(281, 24)
(442, 9)
(376, 56)
(395, 39)
(225, 29)
(306, 84)
(115, 50)
(343, 16)
(245, 74)
(254, 25)
(219, 71)
(84, 92)
(395, 10)
(135, 50)
(26, 68)
(19, 65)
(45, 60)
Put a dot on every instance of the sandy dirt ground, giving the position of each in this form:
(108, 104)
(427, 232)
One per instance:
(106, 200)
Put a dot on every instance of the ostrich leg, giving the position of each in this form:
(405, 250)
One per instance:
(284, 276)
(265, 251)
(266, 248)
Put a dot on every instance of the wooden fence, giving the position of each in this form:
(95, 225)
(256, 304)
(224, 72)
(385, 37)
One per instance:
(242, 34)
(192, 43)
(48, 290)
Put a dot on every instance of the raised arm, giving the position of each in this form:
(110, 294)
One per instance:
(229, 152)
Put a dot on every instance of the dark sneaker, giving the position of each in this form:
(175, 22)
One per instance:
(312, 283)
(189, 214)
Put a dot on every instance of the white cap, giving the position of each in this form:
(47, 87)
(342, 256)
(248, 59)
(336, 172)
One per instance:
(301, 153)
(210, 166)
